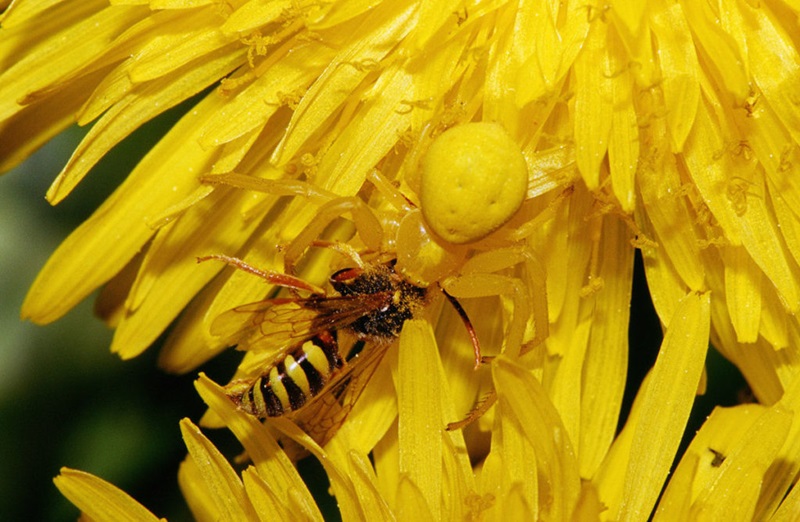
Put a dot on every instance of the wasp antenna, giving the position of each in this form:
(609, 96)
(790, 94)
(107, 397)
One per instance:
(476, 345)
(481, 407)
(276, 278)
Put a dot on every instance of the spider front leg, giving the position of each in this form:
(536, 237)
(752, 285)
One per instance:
(479, 277)
(331, 208)
(365, 221)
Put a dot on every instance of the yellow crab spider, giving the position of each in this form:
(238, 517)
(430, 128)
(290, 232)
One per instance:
(401, 231)
(421, 257)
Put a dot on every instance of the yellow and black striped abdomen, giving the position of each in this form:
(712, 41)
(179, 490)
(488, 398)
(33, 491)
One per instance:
(293, 381)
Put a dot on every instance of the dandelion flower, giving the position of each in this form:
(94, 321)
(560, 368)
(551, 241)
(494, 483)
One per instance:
(531, 471)
(667, 127)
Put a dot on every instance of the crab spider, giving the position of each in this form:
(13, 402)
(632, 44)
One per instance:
(399, 230)
(499, 266)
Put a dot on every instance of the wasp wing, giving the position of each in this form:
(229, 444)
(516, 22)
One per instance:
(280, 322)
(322, 416)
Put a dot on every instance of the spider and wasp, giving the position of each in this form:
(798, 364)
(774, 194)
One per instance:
(326, 347)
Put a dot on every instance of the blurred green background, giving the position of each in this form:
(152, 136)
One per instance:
(65, 400)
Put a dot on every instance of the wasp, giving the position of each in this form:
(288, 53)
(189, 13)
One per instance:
(324, 348)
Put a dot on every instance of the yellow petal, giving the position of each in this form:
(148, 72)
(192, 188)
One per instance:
(492, 481)
(192, 35)
(750, 222)
(269, 459)
(729, 458)
(774, 62)
(666, 405)
(512, 43)
(593, 104)
(250, 15)
(623, 141)
(774, 319)
(706, 159)
(558, 249)
(676, 502)
(788, 221)
(336, 467)
(569, 334)
(224, 486)
(174, 4)
(22, 11)
(780, 475)
(386, 458)
(365, 141)
(517, 505)
(623, 152)
(606, 358)
(439, 17)
(732, 493)
(760, 364)
(787, 512)
(373, 504)
(630, 14)
(566, 279)
(133, 46)
(170, 275)
(372, 417)
(411, 504)
(430, 458)
(196, 492)
(609, 481)
(38, 122)
(190, 343)
(100, 500)
(104, 244)
(526, 404)
(721, 47)
(53, 59)
(139, 106)
(267, 503)
(678, 60)
(574, 337)
(549, 41)
(420, 413)
(517, 488)
(743, 293)
(660, 186)
(294, 69)
(457, 477)
(760, 237)
(589, 506)
(341, 74)
(180, 353)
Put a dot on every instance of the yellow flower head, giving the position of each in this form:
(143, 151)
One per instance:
(318, 139)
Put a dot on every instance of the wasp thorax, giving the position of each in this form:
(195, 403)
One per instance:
(402, 298)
